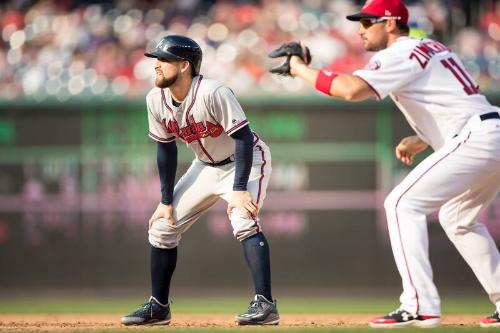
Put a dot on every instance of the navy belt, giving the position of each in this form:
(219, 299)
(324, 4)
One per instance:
(490, 115)
(223, 162)
(486, 116)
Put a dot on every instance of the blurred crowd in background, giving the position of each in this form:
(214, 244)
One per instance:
(64, 48)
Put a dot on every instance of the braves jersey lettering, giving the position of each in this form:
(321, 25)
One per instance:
(194, 130)
(206, 118)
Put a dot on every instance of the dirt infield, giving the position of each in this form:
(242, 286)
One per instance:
(112, 321)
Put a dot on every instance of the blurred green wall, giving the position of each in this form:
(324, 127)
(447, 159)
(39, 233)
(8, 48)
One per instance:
(78, 182)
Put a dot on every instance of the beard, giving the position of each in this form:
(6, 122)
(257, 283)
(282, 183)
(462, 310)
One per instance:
(371, 48)
(375, 46)
(163, 82)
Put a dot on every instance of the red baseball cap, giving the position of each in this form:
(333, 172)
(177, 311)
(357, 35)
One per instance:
(382, 8)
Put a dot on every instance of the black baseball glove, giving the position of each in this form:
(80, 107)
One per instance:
(288, 50)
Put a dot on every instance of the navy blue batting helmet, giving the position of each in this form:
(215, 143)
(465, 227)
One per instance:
(176, 47)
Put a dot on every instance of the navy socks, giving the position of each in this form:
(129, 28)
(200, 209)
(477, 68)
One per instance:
(256, 251)
(163, 263)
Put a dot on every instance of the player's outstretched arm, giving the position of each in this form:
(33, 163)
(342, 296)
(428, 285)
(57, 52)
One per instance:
(343, 86)
(297, 59)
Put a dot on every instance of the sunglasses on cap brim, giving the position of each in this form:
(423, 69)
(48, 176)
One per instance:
(367, 22)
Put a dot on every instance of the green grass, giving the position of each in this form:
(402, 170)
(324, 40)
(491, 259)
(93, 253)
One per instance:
(186, 305)
(358, 305)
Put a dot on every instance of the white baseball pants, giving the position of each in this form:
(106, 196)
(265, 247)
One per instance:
(460, 180)
(201, 187)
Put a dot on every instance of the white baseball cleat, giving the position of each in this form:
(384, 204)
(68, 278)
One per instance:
(492, 320)
(403, 318)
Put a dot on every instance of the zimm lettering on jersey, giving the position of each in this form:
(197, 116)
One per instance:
(425, 51)
(193, 130)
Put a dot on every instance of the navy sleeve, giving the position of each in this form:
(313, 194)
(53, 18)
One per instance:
(166, 157)
(243, 157)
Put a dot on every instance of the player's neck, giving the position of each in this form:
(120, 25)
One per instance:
(180, 88)
(393, 37)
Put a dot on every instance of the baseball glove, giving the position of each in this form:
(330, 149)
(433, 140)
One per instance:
(288, 50)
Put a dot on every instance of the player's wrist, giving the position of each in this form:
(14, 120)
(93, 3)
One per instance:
(239, 189)
(324, 81)
(166, 202)
(296, 65)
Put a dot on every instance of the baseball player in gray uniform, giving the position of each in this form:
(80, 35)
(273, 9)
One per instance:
(442, 103)
(231, 163)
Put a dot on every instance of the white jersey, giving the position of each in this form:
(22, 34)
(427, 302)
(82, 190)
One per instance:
(429, 84)
(205, 120)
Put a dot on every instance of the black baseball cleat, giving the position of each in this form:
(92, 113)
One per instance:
(260, 312)
(150, 313)
(402, 318)
(492, 320)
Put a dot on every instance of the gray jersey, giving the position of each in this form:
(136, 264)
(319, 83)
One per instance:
(206, 118)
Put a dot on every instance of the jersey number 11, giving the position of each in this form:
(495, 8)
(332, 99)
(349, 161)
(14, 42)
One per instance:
(469, 87)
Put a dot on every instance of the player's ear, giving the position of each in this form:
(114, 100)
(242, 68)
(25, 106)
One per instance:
(391, 25)
(185, 66)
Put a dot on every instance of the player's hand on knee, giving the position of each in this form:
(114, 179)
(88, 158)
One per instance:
(163, 211)
(408, 148)
(242, 200)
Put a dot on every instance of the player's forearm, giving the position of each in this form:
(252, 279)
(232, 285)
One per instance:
(342, 86)
(306, 73)
(166, 158)
(243, 157)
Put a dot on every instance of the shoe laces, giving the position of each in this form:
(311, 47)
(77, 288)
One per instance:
(254, 306)
(148, 306)
(143, 308)
(399, 311)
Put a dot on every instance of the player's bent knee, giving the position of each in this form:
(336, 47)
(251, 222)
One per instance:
(164, 235)
(241, 235)
(390, 202)
(243, 227)
(163, 243)
(395, 202)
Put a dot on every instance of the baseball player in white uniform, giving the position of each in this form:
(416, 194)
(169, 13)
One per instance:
(442, 103)
(231, 163)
